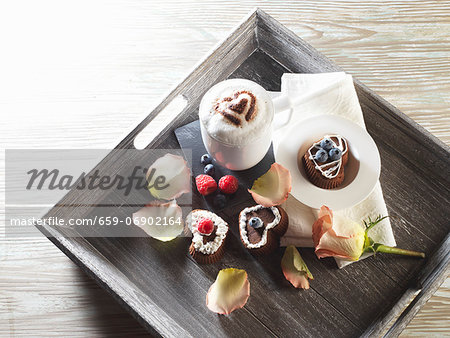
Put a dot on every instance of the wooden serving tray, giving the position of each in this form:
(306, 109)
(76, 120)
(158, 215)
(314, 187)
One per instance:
(164, 289)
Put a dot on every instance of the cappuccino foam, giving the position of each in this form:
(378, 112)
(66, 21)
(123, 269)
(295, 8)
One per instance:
(236, 111)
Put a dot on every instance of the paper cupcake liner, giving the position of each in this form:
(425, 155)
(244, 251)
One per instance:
(345, 159)
(282, 227)
(207, 259)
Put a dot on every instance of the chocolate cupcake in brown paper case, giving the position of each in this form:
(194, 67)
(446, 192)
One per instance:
(325, 160)
(209, 233)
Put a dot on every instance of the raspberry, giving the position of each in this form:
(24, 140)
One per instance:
(205, 184)
(205, 226)
(228, 184)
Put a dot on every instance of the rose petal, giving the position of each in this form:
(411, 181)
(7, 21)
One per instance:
(176, 175)
(295, 269)
(342, 247)
(347, 241)
(162, 221)
(229, 292)
(337, 236)
(273, 187)
(322, 224)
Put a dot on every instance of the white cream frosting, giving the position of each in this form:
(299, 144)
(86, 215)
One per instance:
(210, 247)
(220, 128)
(243, 225)
(327, 169)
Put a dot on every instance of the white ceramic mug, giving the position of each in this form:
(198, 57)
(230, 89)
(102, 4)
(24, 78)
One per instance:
(231, 140)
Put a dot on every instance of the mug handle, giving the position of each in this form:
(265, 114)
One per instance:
(280, 104)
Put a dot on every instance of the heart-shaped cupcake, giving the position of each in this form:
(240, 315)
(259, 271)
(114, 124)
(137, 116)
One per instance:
(260, 228)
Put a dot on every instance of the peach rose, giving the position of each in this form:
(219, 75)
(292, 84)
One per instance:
(338, 237)
(344, 238)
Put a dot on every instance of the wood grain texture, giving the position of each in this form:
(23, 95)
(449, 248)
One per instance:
(373, 292)
(399, 49)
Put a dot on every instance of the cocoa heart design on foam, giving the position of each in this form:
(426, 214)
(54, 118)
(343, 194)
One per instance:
(241, 103)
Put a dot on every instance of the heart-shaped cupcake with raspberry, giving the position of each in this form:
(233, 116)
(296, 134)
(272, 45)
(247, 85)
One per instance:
(209, 234)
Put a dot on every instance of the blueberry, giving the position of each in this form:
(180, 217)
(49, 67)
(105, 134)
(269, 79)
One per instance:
(209, 169)
(220, 201)
(206, 159)
(326, 144)
(335, 154)
(321, 156)
(255, 222)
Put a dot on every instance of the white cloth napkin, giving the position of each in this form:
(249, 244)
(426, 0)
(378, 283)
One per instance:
(334, 94)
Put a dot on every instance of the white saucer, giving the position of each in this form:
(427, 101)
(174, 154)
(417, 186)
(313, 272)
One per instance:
(361, 172)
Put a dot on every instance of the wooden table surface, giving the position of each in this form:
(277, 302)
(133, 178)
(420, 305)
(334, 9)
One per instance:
(81, 74)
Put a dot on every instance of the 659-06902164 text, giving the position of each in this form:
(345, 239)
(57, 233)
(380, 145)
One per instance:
(96, 220)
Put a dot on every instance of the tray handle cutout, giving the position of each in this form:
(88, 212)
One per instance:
(160, 121)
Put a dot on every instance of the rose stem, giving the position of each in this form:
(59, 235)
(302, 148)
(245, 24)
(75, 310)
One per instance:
(397, 251)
